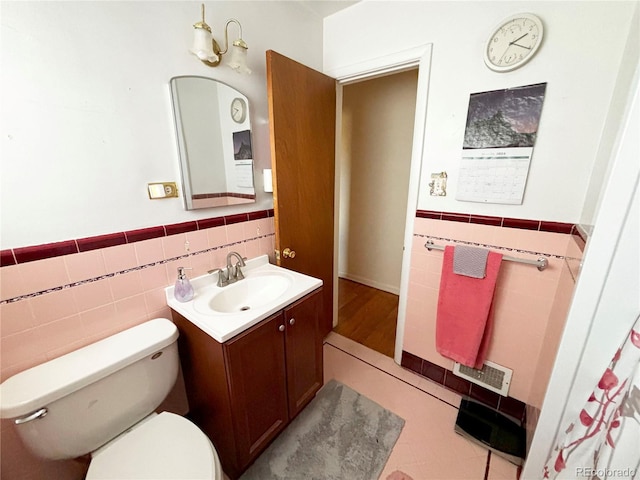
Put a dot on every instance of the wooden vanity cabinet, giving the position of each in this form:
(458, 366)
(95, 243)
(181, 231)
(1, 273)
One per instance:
(244, 392)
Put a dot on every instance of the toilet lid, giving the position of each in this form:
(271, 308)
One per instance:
(166, 447)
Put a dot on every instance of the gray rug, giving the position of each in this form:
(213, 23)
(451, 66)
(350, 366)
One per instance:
(340, 435)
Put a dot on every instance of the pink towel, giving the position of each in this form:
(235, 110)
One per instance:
(463, 324)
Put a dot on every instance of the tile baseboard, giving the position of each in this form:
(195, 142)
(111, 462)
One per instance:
(510, 406)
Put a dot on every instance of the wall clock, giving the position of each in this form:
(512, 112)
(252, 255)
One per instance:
(513, 42)
(238, 110)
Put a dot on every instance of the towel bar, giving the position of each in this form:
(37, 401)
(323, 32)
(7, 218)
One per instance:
(541, 263)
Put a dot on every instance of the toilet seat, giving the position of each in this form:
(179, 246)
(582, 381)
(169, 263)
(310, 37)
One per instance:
(165, 447)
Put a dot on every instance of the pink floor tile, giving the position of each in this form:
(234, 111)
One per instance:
(502, 469)
(428, 447)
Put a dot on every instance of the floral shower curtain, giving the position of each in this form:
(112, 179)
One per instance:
(604, 441)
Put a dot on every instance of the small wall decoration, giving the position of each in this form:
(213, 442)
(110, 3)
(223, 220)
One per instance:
(438, 184)
(501, 131)
(242, 145)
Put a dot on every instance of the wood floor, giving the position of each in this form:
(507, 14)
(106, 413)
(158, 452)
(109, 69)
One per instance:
(367, 315)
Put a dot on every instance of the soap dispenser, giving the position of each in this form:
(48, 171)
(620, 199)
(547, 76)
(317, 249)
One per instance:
(183, 290)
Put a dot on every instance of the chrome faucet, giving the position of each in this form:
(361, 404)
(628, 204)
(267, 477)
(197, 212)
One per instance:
(232, 273)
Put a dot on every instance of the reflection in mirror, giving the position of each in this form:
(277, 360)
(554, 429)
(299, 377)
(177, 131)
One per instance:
(214, 142)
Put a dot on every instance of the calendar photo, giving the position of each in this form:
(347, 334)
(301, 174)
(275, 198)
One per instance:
(504, 118)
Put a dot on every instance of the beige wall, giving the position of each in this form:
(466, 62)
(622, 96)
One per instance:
(377, 133)
(582, 75)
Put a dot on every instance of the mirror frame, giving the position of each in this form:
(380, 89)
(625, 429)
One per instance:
(210, 200)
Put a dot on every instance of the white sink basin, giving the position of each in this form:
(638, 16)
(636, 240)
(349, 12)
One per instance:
(251, 293)
(224, 312)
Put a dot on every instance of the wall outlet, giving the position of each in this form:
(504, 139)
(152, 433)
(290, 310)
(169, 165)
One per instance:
(162, 190)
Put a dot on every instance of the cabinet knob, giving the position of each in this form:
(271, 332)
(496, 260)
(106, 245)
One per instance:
(288, 253)
(281, 328)
(292, 321)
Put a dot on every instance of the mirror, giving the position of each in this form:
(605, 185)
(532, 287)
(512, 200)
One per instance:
(214, 142)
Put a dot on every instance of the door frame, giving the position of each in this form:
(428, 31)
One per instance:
(419, 57)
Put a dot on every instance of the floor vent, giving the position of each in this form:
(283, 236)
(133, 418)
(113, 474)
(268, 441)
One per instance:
(492, 376)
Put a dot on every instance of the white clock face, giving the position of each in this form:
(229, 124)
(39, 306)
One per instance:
(238, 110)
(513, 43)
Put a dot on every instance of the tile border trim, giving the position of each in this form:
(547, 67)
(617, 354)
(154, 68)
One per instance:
(128, 270)
(510, 406)
(19, 255)
(525, 224)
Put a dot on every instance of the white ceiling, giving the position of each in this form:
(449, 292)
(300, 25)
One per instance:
(324, 8)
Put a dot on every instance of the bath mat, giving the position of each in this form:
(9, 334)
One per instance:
(339, 435)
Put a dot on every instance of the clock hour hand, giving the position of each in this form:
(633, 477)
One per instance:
(518, 45)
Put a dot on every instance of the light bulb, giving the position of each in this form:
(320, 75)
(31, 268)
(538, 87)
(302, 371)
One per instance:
(203, 45)
(239, 59)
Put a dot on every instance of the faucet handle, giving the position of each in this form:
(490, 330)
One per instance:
(223, 279)
(239, 274)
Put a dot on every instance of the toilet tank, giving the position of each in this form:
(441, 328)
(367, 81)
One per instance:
(89, 396)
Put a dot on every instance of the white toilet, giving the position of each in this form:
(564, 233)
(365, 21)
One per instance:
(101, 400)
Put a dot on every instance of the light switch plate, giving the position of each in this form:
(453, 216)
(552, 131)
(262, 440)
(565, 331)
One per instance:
(162, 190)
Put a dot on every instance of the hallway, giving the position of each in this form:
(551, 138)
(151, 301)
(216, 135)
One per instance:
(367, 316)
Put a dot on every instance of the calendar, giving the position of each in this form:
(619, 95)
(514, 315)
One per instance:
(494, 175)
(501, 130)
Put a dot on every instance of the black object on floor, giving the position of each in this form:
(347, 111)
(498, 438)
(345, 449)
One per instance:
(492, 429)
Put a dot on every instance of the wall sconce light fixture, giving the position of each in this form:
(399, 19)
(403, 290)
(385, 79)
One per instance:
(208, 51)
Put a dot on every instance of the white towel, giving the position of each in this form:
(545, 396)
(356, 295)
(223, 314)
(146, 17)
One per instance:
(470, 261)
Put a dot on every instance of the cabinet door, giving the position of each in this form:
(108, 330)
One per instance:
(304, 350)
(257, 384)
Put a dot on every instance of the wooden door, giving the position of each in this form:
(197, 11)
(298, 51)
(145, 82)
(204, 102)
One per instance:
(302, 116)
(304, 351)
(257, 384)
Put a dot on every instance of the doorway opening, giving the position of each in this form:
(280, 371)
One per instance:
(375, 151)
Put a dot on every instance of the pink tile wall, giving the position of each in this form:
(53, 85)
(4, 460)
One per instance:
(525, 298)
(37, 328)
